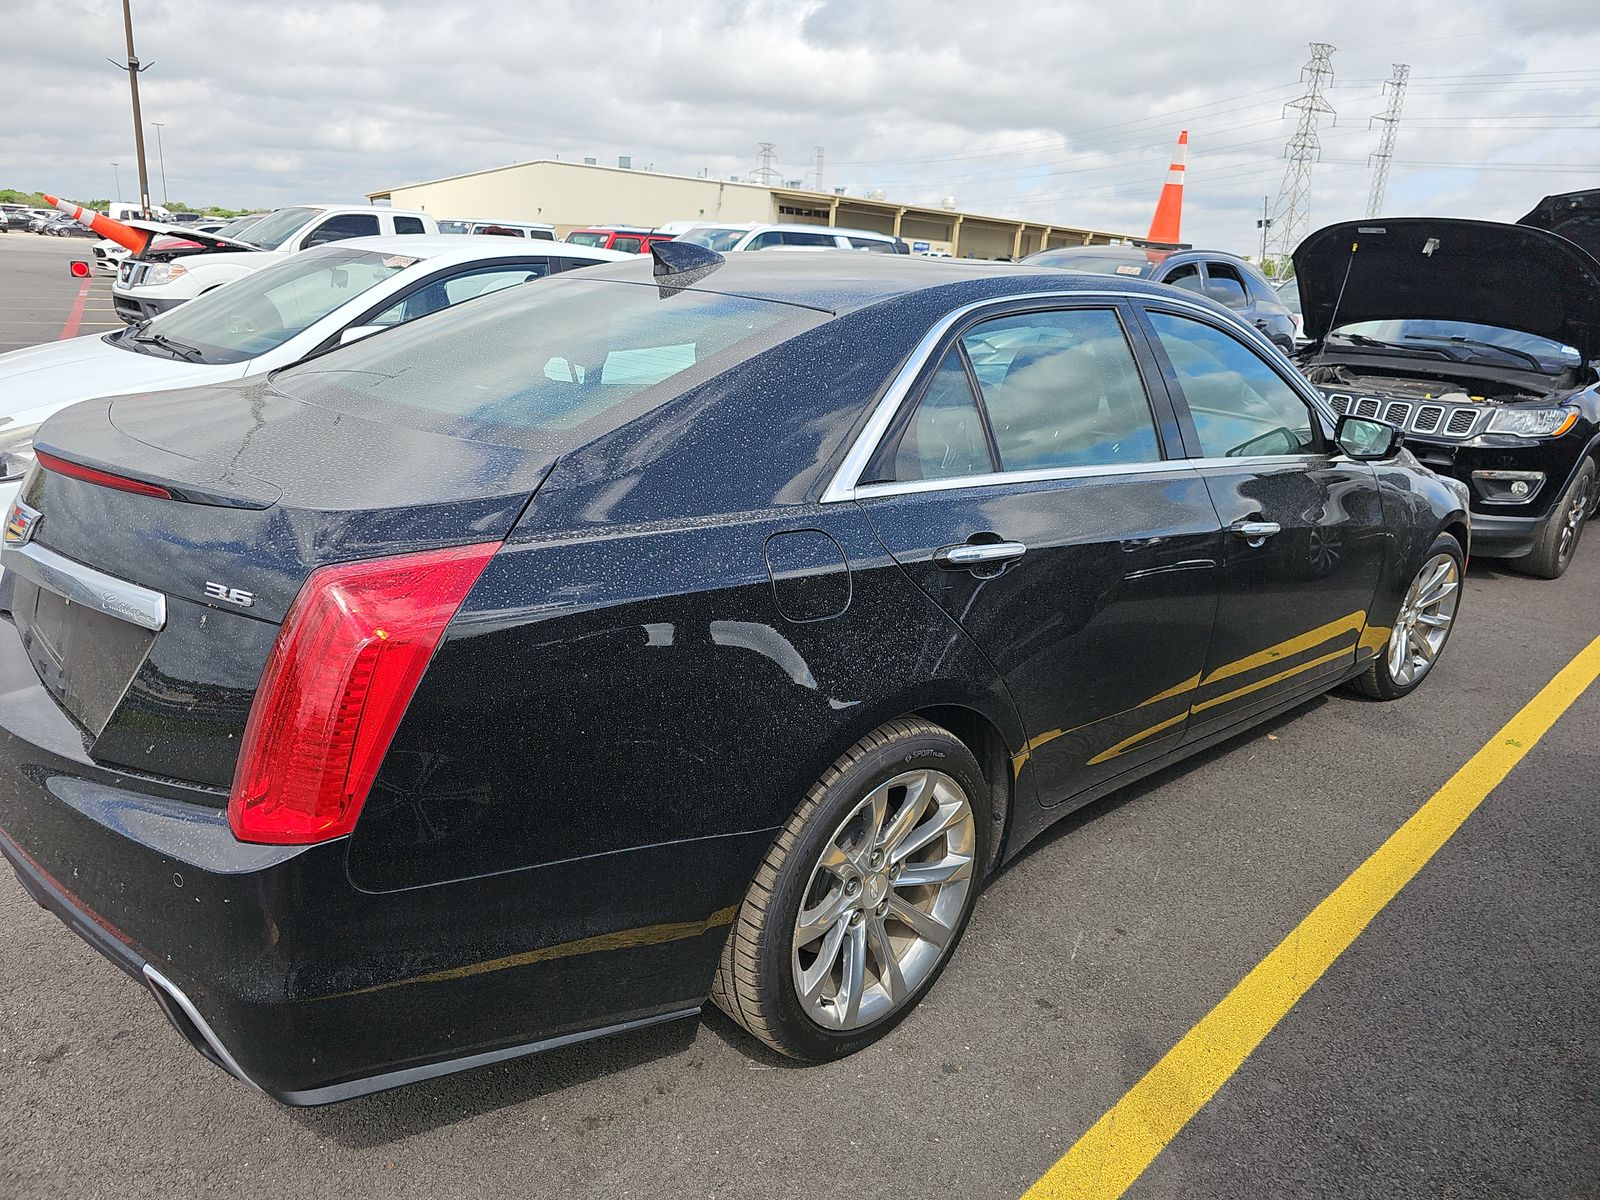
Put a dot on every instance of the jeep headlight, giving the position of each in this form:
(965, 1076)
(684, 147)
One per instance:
(1533, 422)
(164, 273)
(16, 452)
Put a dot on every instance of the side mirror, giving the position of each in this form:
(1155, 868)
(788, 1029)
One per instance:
(1366, 440)
(356, 332)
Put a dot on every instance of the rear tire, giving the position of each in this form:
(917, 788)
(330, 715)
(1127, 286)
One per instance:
(905, 804)
(1421, 627)
(1557, 542)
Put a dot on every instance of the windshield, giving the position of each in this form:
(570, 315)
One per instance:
(236, 227)
(526, 366)
(712, 239)
(274, 229)
(262, 311)
(1480, 341)
(1135, 264)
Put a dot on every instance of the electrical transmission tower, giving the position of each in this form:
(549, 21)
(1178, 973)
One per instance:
(1291, 216)
(1395, 89)
(766, 173)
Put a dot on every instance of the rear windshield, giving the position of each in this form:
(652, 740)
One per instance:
(545, 367)
(713, 239)
(1136, 264)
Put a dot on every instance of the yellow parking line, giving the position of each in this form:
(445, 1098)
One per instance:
(1120, 1145)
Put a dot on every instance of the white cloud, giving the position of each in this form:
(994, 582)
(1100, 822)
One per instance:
(1059, 111)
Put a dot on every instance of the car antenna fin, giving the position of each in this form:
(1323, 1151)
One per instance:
(679, 258)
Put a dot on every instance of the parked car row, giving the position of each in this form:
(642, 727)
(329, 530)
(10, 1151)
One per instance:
(707, 625)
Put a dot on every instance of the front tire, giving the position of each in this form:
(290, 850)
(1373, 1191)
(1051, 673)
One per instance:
(1421, 627)
(862, 898)
(1558, 540)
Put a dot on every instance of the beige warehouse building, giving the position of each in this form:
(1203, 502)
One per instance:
(570, 195)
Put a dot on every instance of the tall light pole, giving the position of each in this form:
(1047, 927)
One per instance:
(133, 68)
(161, 157)
(117, 175)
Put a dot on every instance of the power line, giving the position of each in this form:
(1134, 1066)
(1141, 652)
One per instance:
(1390, 120)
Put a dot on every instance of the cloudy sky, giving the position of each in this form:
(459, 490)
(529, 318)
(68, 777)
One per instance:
(1061, 109)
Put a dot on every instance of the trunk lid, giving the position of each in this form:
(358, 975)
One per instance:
(149, 619)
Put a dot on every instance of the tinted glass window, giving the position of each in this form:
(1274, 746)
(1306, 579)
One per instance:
(712, 239)
(408, 225)
(1186, 277)
(587, 239)
(529, 365)
(628, 245)
(793, 238)
(876, 245)
(1062, 390)
(944, 438)
(341, 228)
(764, 241)
(543, 235)
(1241, 406)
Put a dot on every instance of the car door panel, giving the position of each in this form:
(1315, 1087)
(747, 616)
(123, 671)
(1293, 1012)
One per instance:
(1100, 629)
(1098, 611)
(1304, 535)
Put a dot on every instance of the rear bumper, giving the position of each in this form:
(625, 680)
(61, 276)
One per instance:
(274, 965)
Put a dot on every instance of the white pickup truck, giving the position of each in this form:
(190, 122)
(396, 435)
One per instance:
(191, 263)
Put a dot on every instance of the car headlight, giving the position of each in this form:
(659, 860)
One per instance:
(1533, 422)
(164, 273)
(16, 452)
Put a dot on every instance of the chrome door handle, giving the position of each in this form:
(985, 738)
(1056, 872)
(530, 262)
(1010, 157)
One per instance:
(978, 554)
(1254, 532)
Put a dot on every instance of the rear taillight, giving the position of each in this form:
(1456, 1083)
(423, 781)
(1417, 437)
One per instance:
(345, 664)
(101, 478)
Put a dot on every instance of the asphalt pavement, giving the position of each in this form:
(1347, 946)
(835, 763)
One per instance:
(1452, 1051)
(38, 293)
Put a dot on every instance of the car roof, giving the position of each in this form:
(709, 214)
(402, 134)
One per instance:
(459, 247)
(840, 281)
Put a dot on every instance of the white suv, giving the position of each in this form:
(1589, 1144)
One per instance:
(159, 279)
(723, 238)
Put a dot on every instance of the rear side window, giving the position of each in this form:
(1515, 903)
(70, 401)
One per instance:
(1062, 389)
(542, 235)
(628, 245)
(875, 245)
(1186, 277)
(530, 365)
(944, 439)
(797, 238)
(1241, 407)
(408, 225)
(1226, 285)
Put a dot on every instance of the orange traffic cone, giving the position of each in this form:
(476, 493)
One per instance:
(1165, 224)
(124, 235)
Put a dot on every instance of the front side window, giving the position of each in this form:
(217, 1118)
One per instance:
(944, 439)
(1185, 276)
(1062, 389)
(1226, 285)
(627, 245)
(442, 293)
(765, 241)
(1240, 405)
(342, 228)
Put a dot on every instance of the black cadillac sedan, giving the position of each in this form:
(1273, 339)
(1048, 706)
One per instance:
(679, 628)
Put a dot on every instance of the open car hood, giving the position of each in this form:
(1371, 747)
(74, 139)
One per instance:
(1434, 268)
(208, 243)
(1573, 215)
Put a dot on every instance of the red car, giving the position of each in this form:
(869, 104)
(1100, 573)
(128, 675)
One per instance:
(617, 237)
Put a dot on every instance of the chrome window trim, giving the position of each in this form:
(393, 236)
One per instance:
(902, 487)
(845, 484)
(84, 585)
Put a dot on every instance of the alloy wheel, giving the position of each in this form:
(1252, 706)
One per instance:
(1572, 521)
(1424, 621)
(884, 901)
